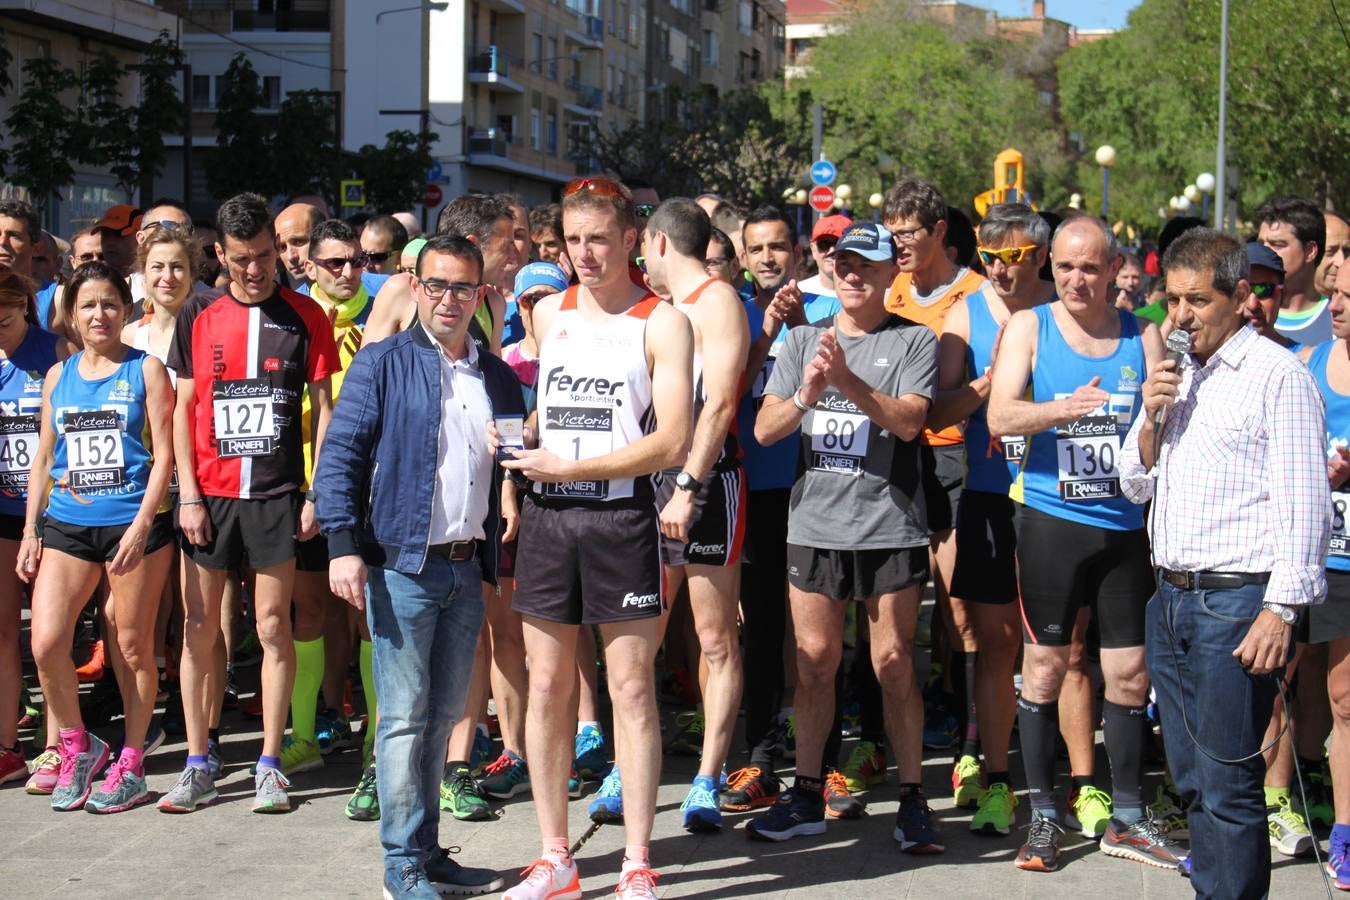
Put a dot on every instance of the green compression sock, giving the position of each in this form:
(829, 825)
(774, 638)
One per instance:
(305, 694)
(367, 657)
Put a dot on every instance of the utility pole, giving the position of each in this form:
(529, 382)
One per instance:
(1221, 170)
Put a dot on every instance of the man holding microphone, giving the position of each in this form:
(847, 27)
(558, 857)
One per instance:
(1230, 451)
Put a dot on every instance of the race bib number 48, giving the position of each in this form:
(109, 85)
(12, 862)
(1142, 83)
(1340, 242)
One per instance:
(244, 422)
(1087, 450)
(18, 444)
(94, 455)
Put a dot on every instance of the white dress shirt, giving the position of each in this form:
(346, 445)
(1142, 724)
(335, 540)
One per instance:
(1240, 483)
(459, 502)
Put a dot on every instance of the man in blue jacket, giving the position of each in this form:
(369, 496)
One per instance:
(408, 487)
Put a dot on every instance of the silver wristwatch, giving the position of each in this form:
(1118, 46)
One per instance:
(1287, 614)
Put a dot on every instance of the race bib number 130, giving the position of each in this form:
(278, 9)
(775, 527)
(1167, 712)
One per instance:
(1087, 450)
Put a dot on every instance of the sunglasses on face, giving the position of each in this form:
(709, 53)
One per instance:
(644, 210)
(408, 270)
(90, 257)
(1264, 291)
(715, 262)
(825, 245)
(378, 257)
(336, 264)
(462, 291)
(1010, 256)
(532, 298)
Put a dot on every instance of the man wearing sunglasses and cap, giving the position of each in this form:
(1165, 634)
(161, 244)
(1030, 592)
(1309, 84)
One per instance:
(1014, 242)
(615, 365)
(859, 387)
(824, 235)
(1262, 308)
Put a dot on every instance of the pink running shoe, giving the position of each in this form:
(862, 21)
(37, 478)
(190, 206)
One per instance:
(547, 879)
(46, 769)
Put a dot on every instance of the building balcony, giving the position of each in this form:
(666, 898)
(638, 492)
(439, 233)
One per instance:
(589, 99)
(589, 32)
(243, 15)
(510, 7)
(488, 142)
(490, 66)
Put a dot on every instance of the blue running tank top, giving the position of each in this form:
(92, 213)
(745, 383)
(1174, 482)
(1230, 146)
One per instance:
(21, 377)
(1338, 439)
(102, 458)
(1071, 471)
(991, 463)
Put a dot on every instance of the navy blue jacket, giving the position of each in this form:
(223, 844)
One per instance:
(377, 469)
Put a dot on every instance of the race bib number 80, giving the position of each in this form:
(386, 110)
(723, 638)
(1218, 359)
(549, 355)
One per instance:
(838, 441)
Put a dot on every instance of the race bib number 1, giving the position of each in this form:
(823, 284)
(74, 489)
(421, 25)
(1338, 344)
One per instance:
(18, 444)
(1087, 449)
(838, 441)
(244, 422)
(576, 432)
(94, 455)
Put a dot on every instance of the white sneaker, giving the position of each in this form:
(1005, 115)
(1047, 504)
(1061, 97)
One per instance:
(547, 879)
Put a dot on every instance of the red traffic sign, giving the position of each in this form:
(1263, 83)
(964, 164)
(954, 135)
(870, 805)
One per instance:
(431, 195)
(821, 198)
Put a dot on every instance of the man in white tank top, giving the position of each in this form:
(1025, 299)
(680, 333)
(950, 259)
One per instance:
(702, 502)
(614, 408)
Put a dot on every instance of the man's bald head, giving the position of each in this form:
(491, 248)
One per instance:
(293, 226)
(1084, 259)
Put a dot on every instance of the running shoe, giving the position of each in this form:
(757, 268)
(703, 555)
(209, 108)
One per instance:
(506, 777)
(749, 788)
(608, 803)
(230, 700)
(787, 737)
(92, 670)
(1320, 810)
(995, 812)
(590, 760)
(547, 879)
(122, 789)
(700, 807)
(364, 803)
(839, 803)
(449, 877)
(480, 753)
(1145, 841)
(154, 738)
(914, 829)
(462, 797)
(1289, 832)
(12, 764)
(967, 782)
(1041, 851)
(688, 741)
(269, 791)
(1338, 864)
(1166, 808)
(939, 730)
(574, 785)
(46, 769)
(76, 780)
(1089, 811)
(299, 755)
(333, 731)
(866, 766)
(637, 883)
(792, 815)
(195, 788)
(215, 765)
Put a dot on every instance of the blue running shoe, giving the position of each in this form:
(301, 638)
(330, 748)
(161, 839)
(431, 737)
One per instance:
(333, 731)
(792, 815)
(154, 738)
(1338, 859)
(506, 777)
(700, 807)
(914, 830)
(482, 751)
(591, 761)
(608, 803)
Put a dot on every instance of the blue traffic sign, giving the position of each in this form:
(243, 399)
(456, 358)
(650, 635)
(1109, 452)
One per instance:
(823, 172)
(435, 171)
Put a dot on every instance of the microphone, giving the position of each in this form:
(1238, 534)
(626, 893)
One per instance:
(1178, 345)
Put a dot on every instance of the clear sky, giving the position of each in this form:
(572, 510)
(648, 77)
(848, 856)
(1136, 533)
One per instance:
(1083, 13)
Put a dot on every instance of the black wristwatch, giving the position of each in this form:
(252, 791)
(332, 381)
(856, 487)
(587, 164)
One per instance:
(686, 482)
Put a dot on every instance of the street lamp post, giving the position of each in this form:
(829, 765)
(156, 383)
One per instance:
(430, 6)
(1205, 183)
(1106, 158)
(875, 202)
(796, 198)
(841, 195)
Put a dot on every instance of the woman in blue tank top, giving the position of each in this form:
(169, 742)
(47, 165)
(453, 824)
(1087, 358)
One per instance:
(26, 353)
(101, 473)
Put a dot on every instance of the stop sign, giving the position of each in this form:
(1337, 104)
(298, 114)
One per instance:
(431, 195)
(821, 198)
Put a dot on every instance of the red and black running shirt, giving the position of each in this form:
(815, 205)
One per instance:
(250, 365)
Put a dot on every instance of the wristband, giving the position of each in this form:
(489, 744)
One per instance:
(197, 502)
(310, 496)
(797, 401)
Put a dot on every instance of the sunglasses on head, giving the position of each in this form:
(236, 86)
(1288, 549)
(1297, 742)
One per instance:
(167, 223)
(1264, 291)
(1010, 256)
(644, 210)
(336, 264)
(601, 187)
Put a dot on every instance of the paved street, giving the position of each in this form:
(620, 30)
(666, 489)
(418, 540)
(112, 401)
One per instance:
(227, 851)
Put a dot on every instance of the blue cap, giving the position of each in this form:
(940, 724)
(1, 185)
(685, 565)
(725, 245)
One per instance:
(867, 240)
(532, 275)
(1259, 254)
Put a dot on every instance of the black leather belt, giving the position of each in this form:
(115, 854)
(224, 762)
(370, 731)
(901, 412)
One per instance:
(1211, 581)
(455, 551)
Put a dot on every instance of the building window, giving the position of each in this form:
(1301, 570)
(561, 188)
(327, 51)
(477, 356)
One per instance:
(537, 44)
(609, 83)
(271, 85)
(552, 134)
(710, 48)
(201, 91)
(534, 129)
(1046, 98)
(745, 21)
(553, 58)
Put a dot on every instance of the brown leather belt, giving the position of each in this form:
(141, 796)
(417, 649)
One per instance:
(455, 551)
(1211, 581)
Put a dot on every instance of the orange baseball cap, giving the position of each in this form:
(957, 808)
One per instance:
(123, 219)
(831, 226)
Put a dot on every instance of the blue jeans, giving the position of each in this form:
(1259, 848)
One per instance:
(1190, 644)
(424, 629)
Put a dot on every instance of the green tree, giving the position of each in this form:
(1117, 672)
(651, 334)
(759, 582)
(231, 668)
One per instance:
(40, 126)
(243, 156)
(306, 145)
(160, 112)
(395, 173)
(5, 85)
(102, 135)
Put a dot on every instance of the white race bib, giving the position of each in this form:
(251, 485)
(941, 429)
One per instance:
(1088, 449)
(578, 432)
(18, 445)
(94, 453)
(244, 420)
(1340, 537)
(838, 440)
